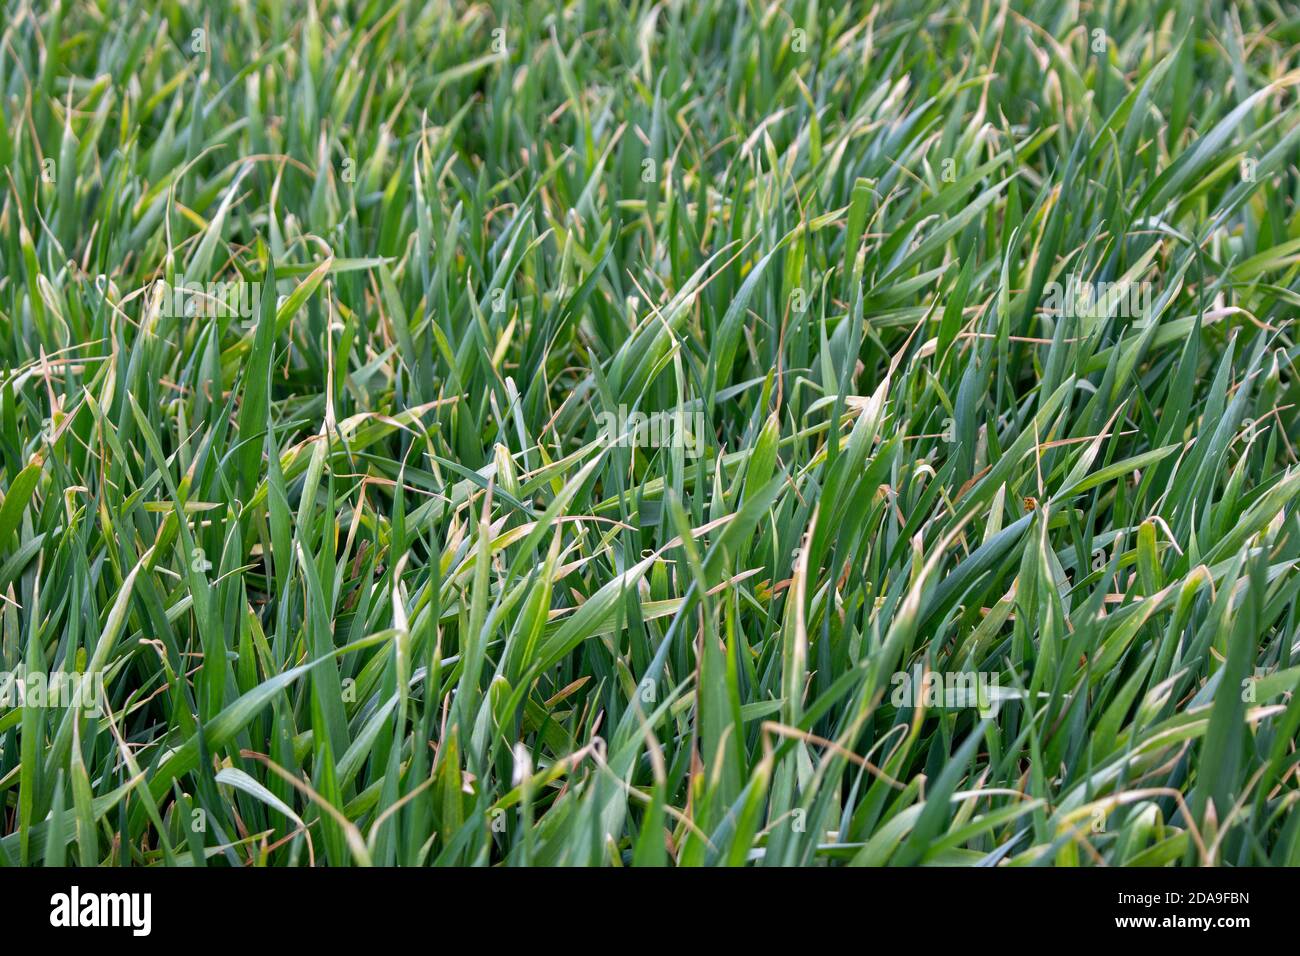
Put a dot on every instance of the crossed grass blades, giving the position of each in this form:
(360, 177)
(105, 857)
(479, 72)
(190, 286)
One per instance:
(365, 582)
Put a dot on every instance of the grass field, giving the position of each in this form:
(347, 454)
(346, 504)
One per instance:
(604, 433)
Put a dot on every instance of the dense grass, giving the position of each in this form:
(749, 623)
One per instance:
(367, 582)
